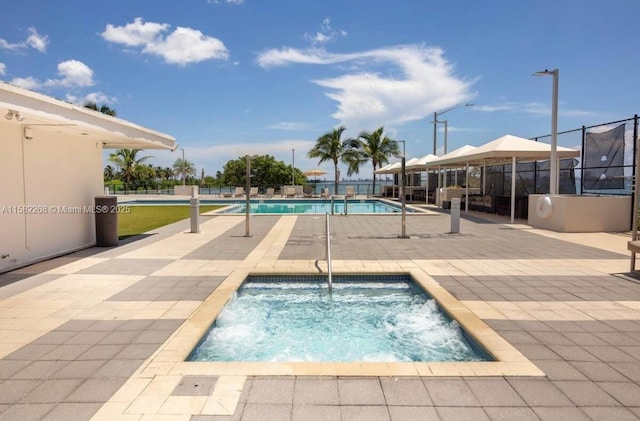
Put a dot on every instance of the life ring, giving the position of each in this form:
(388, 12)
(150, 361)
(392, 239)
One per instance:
(544, 207)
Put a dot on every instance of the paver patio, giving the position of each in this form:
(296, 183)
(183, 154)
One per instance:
(95, 335)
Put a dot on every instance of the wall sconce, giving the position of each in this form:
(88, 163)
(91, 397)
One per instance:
(11, 114)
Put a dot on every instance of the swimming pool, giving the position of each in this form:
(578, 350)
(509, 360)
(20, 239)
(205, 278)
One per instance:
(316, 206)
(290, 206)
(367, 318)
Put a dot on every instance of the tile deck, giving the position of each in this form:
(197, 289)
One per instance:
(102, 334)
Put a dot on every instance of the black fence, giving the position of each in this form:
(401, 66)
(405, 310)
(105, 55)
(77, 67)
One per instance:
(607, 156)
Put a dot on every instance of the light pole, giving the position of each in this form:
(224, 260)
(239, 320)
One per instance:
(402, 192)
(293, 167)
(183, 168)
(553, 167)
(435, 122)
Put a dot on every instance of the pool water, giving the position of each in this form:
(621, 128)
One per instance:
(315, 206)
(364, 319)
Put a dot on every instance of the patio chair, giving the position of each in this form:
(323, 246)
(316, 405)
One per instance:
(350, 191)
(290, 192)
(299, 191)
(239, 192)
(325, 193)
(307, 191)
(270, 192)
(253, 192)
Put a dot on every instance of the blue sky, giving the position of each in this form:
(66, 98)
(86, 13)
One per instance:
(233, 77)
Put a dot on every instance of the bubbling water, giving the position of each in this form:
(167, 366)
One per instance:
(358, 321)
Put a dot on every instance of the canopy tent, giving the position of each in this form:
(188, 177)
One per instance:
(420, 164)
(504, 149)
(389, 169)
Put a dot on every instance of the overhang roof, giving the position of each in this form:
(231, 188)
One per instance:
(45, 111)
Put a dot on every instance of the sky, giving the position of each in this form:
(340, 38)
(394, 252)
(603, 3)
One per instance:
(228, 78)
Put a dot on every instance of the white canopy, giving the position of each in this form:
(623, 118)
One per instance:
(420, 164)
(503, 149)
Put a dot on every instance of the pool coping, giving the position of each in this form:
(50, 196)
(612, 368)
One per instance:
(170, 359)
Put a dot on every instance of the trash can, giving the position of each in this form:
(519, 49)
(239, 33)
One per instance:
(106, 221)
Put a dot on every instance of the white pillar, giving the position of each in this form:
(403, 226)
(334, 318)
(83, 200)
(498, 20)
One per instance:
(513, 189)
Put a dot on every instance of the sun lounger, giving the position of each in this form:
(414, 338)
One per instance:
(307, 191)
(325, 193)
(290, 192)
(350, 191)
(253, 192)
(239, 192)
(270, 192)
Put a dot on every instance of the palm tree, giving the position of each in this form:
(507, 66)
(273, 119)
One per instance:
(377, 149)
(104, 109)
(109, 173)
(184, 168)
(126, 160)
(329, 147)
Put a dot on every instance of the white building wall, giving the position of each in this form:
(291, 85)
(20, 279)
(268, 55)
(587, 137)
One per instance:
(54, 178)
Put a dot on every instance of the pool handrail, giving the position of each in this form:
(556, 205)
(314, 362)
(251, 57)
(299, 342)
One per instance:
(327, 250)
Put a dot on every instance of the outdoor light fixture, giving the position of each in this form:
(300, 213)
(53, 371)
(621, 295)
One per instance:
(435, 122)
(11, 114)
(553, 167)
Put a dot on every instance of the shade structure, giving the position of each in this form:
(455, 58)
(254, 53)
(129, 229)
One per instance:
(505, 149)
(315, 172)
(420, 164)
(389, 169)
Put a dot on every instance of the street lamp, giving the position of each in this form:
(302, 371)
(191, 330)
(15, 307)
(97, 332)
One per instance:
(293, 167)
(402, 192)
(183, 168)
(435, 121)
(553, 167)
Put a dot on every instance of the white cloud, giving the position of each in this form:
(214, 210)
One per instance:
(288, 125)
(326, 33)
(534, 108)
(3, 69)
(26, 82)
(135, 34)
(73, 73)
(99, 98)
(182, 46)
(34, 40)
(37, 41)
(367, 99)
(225, 1)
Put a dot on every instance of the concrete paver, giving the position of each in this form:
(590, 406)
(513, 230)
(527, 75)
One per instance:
(95, 334)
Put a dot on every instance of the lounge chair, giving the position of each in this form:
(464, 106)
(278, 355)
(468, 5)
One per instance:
(270, 192)
(350, 191)
(299, 191)
(253, 192)
(290, 192)
(307, 191)
(239, 192)
(325, 193)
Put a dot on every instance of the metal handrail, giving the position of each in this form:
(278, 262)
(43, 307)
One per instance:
(327, 250)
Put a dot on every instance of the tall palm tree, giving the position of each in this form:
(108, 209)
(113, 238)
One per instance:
(330, 147)
(126, 160)
(375, 147)
(184, 168)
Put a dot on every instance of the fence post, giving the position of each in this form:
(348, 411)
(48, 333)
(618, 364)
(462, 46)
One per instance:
(582, 155)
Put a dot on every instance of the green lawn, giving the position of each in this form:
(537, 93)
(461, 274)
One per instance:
(145, 218)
